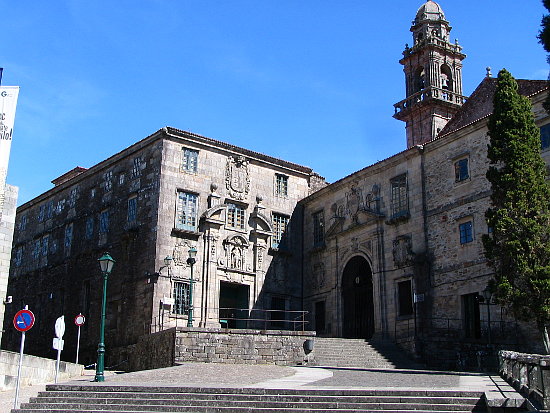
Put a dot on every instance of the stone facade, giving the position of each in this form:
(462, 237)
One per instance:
(163, 195)
(392, 251)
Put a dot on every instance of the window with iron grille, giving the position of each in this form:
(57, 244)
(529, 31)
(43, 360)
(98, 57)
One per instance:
(318, 228)
(36, 249)
(104, 221)
(108, 181)
(189, 161)
(41, 213)
(68, 238)
(45, 245)
(281, 185)
(49, 210)
(132, 208)
(280, 225)
(466, 232)
(186, 211)
(89, 227)
(19, 256)
(235, 216)
(23, 223)
(461, 170)
(399, 196)
(181, 297)
(72, 197)
(136, 167)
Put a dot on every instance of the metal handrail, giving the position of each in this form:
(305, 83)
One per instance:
(240, 318)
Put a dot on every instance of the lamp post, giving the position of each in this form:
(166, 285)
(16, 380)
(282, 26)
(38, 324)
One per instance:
(106, 263)
(191, 262)
(487, 295)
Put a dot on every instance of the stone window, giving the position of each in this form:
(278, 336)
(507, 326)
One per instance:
(318, 228)
(49, 210)
(186, 211)
(89, 227)
(405, 298)
(36, 249)
(72, 197)
(181, 297)
(132, 208)
(92, 193)
(23, 223)
(281, 185)
(235, 216)
(136, 167)
(108, 181)
(462, 170)
(189, 161)
(399, 196)
(18, 256)
(68, 238)
(466, 230)
(104, 221)
(545, 136)
(59, 207)
(41, 213)
(121, 178)
(45, 245)
(280, 225)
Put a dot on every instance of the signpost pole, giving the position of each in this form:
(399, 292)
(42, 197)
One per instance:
(22, 321)
(59, 331)
(77, 345)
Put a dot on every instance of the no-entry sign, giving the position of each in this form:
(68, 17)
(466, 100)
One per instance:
(23, 320)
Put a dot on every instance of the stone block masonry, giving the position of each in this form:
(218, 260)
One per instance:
(215, 345)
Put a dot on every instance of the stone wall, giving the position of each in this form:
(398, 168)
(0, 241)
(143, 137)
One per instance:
(214, 345)
(35, 370)
(7, 224)
(151, 352)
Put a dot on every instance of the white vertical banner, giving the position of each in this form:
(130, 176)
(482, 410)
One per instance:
(8, 103)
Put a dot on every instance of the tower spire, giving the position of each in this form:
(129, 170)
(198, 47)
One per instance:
(433, 76)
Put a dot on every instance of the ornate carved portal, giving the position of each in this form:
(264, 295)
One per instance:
(237, 177)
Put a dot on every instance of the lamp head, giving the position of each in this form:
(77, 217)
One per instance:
(168, 260)
(106, 263)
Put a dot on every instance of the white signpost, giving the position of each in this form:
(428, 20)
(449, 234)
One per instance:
(79, 320)
(58, 341)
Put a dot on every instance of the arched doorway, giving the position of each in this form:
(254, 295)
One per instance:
(357, 299)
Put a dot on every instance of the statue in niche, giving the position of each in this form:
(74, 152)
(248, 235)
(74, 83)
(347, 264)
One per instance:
(235, 253)
(319, 274)
(237, 178)
(236, 258)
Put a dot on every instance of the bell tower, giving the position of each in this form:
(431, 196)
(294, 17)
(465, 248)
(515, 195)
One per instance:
(433, 76)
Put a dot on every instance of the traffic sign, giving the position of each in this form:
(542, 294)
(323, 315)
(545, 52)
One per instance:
(79, 320)
(60, 327)
(23, 320)
(58, 343)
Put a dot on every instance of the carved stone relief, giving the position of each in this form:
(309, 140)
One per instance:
(354, 202)
(237, 177)
(402, 251)
(236, 249)
(319, 274)
(181, 253)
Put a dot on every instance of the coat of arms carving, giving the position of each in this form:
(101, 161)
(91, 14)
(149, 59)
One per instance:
(237, 178)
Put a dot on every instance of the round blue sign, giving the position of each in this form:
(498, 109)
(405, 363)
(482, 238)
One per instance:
(23, 320)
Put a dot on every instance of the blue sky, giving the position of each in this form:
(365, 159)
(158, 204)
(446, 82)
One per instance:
(312, 82)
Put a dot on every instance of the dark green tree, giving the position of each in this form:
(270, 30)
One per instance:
(518, 248)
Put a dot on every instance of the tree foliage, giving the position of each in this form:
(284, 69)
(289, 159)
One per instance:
(518, 247)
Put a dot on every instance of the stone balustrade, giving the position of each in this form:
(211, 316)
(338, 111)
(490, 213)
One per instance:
(527, 373)
(429, 93)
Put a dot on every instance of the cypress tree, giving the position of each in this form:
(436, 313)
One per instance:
(518, 248)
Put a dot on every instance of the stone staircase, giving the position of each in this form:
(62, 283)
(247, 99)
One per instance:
(126, 399)
(346, 352)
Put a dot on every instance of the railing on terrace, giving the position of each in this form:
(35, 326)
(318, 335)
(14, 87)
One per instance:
(527, 373)
(429, 93)
(240, 318)
(453, 328)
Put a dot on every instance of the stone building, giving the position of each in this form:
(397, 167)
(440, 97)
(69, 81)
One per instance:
(159, 198)
(392, 251)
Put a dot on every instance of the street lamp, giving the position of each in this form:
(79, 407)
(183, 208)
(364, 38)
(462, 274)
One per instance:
(487, 295)
(106, 263)
(191, 261)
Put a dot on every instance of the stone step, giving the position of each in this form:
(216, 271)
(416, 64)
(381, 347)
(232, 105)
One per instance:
(126, 399)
